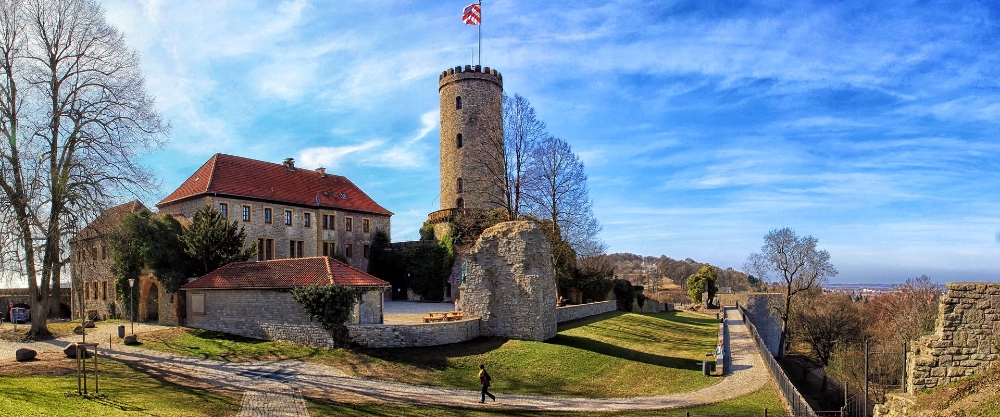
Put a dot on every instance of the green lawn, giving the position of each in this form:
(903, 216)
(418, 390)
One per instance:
(753, 404)
(124, 392)
(611, 355)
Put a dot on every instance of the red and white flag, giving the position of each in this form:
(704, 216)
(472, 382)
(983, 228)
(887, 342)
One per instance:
(471, 14)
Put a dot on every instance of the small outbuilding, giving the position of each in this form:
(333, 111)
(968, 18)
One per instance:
(254, 299)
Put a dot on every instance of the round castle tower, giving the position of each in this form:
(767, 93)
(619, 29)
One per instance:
(471, 130)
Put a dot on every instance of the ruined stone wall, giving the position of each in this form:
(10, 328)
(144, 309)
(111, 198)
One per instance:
(966, 340)
(412, 335)
(511, 283)
(568, 313)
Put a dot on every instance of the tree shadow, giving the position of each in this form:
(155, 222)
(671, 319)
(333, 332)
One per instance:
(623, 353)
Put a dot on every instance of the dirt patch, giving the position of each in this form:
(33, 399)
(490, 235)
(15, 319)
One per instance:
(45, 364)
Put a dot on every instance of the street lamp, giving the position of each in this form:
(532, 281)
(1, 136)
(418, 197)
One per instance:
(131, 293)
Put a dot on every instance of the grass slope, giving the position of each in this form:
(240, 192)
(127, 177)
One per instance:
(974, 396)
(41, 388)
(611, 355)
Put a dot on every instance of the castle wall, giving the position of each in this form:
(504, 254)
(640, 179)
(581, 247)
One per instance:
(480, 123)
(568, 313)
(312, 236)
(967, 338)
(412, 335)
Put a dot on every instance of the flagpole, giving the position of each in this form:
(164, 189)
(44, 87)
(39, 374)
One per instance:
(480, 32)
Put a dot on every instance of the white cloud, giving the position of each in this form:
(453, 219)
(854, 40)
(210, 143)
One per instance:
(332, 157)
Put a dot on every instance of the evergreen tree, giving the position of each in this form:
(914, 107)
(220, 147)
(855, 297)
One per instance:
(213, 242)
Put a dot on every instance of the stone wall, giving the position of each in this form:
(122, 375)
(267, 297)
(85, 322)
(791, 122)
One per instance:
(966, 340)
(312, 236)
(412, 335)
(760, 311)
(263, 314)
(510, 283)
(568, 313)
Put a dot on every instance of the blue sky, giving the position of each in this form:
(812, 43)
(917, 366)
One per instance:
(703, 125)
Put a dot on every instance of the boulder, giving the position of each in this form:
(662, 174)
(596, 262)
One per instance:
(89, 324)
(78, 330)
(25, 354)
(131, 340)
(70, 352)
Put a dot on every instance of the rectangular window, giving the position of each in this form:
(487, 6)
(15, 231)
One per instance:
(348, 250)
(288, 217)
(307, 219)
(267, 215)
(265, 249)
(367, 250)
(329, 248)
(224, 209)
(329, 222)
(246, 213)
(198, 304)
(348, 224)
(295, 248)
(104, 251)
(366, 225)
(104, 290)
(86, 292)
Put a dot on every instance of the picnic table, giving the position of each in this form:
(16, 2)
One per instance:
(439, 316)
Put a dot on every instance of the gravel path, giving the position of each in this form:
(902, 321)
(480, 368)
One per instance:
(274, 388)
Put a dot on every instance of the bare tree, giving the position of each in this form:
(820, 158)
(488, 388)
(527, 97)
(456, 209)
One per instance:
(500, 160)
(792, 262)
(556, 189)
(833, 322)
(521, 131)
(76, 116)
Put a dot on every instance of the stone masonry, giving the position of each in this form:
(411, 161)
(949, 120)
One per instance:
(511, 283)
(568, 313)
(760, 311)
(268, 315)
(411, 335)
(967, 338)
(478, 121)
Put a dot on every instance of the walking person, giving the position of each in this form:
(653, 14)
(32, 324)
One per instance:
(484, 379)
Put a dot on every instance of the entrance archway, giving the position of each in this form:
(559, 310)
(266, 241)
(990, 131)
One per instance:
(153, 303)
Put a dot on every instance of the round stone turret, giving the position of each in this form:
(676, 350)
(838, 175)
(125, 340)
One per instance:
(471, 136)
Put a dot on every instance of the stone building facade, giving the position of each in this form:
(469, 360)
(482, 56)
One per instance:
(95, 295)
(253, 299)
(288, 212)
(471, 137)
(966, 340)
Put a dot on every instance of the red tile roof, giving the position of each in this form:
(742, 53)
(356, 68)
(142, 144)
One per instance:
(285, 273)
(108, 220)
(235, 176)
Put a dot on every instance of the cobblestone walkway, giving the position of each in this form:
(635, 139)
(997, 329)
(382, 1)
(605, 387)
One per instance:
(275, 388)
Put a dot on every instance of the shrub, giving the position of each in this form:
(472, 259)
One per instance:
(332, 305)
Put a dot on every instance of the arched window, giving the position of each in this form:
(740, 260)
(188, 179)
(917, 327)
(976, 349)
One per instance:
(458, 140)
(459, 185)
(460, 203)
(458, 102)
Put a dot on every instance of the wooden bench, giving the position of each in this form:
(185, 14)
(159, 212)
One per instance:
(439, 316)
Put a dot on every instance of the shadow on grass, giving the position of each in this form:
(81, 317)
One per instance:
(622, 353)
(435, 357)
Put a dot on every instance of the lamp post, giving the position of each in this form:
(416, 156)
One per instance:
(131, 293)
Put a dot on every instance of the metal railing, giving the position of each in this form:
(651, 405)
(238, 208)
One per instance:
(798, 405)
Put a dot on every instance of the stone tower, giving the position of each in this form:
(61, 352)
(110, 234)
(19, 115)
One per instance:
(471, 137)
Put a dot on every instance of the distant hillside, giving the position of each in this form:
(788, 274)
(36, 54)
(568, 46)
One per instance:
(664, 272)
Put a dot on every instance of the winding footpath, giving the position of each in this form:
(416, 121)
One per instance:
(276, 388)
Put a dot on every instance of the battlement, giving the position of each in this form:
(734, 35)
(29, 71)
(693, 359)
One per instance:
(470, 71)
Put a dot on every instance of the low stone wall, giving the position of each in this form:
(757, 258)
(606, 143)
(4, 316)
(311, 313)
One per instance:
(258, 314)
(568, 313)
(966, 339)
(411, 335)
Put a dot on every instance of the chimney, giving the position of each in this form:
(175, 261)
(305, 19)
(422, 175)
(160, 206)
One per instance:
(289, 164)
(321, 171)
